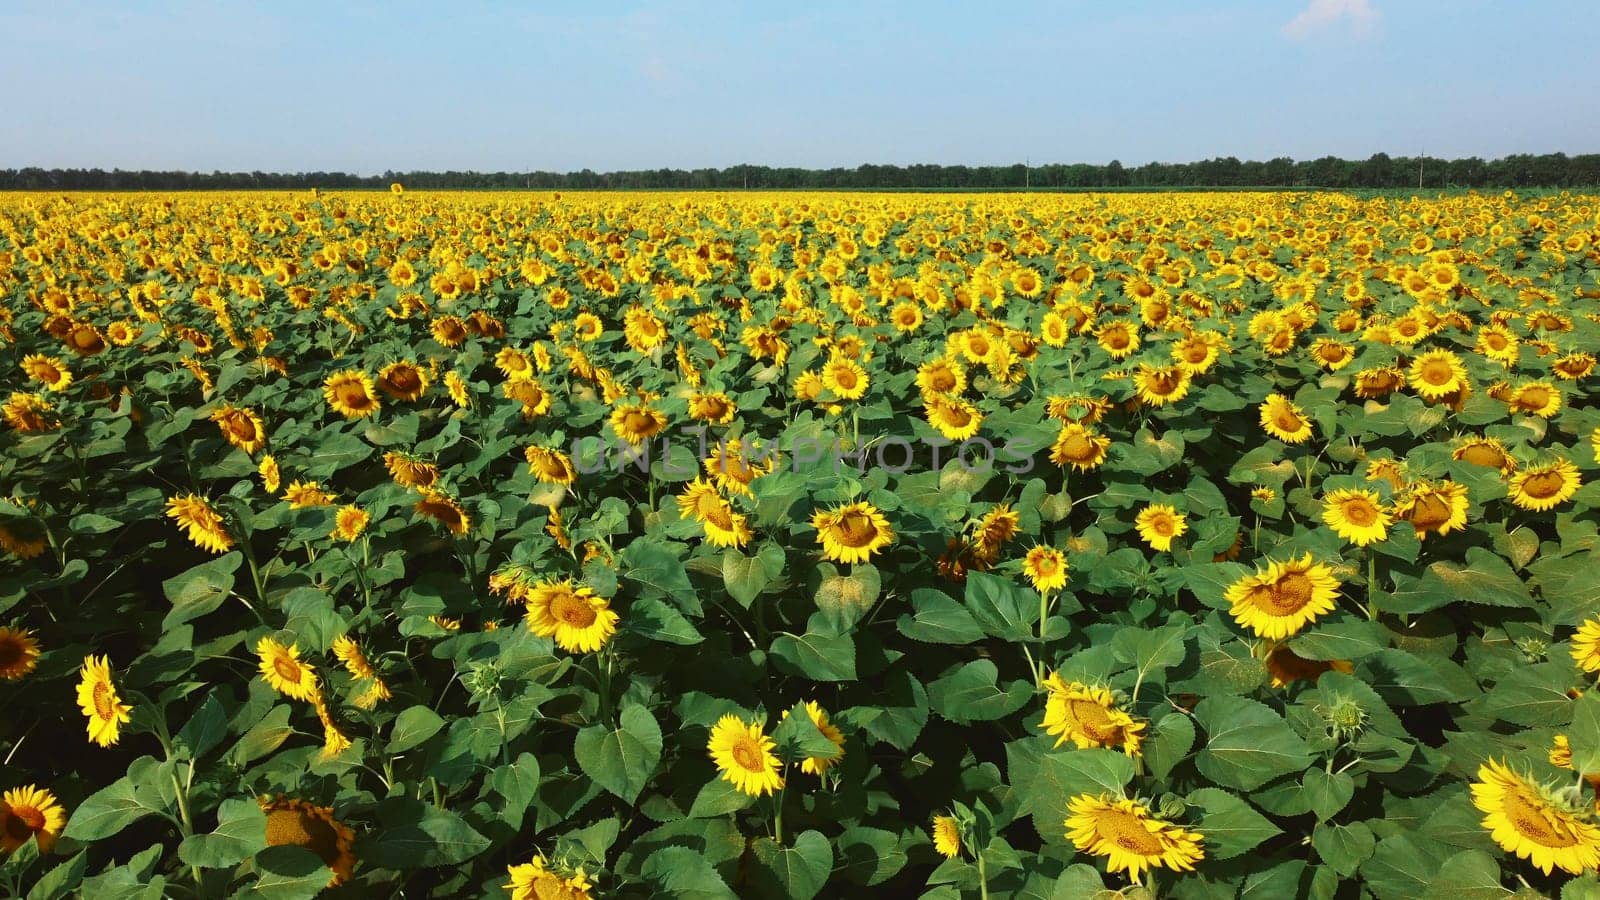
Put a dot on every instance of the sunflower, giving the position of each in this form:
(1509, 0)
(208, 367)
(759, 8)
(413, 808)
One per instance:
(1284, 667)
(1046, 568)
(844, 378)
(1331, 354)
(1080, 447)
(98, 699)
(1160, 385)
(297, 823)
(952, 417)
(1286, 597)
(282, 669)
(349, 522)
(533, 881)
(716, 408)
(449, 331)
(241, 427)
(1539, 488)
(638, 422)
(457, 386)
(1197, 352)
(734, 465)
(30, 812)
(49, 371)
(29, 413)
(643, 330)
(1284, 420)
(723, 527)
(1536, 398)
(271, 477)
(1496, 342)
(19, 653)
(1132, 840)
(1119, 339)
(1380, 381)
(851, 533)
(401, 380)
(1526, 820)
(1089, 717)
(1158, 524)
(941, 375)
(349, 393)
(306, 495)
(1586, 646)
(1437, 374)
(513, 363)
(444, 509)
(550, 466)
(817, 765)
(201, 520)
(334, 741)
(946, 836)
(408, 471)
(579, 620)
(1357, 515)
(1487, 452)
(1573, 366)
(535, 398)
(1439, 508)
(744, 756)
(352, 658)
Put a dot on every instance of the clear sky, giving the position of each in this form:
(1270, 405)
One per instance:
(363, 87)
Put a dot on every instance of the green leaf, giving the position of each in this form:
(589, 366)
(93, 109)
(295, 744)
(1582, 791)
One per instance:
(869, 856)
(1231, 825)
(1584, 735)
(200, 590)
(413, 726)
(937, 618)
(1247, 743)
(718, 798)
(797, 737)
(62, 880)
(1403, 867)
(684, 874)
(657, 621)
(797, 872)
(207, 726)
(289, 873)
(264, 737)
(820, 657)
(1344, 847)
(1170, 741)
(114, 807)
(650, 564)
(1001, 606)
(971, 694)
(844, 599)
(1047, 782)
(241, 833)
(1470, 875)
(1349, 640)
(621, 760)
(417, 835)
(1327, 792)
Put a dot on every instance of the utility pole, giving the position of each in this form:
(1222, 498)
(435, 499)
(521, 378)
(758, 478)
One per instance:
(1027, 174)
(1421, 157)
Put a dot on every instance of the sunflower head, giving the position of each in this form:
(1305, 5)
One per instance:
(297, 823)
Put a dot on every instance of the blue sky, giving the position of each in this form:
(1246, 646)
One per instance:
(364, 87)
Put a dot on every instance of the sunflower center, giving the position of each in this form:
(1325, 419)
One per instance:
(1076, 446)
(296, 828)
(287, 669)
(746, 754)
(955, 416)
(572, 610)
(1127, 831)
(1533, 397)
(1359, 511)
(1483, 455)
(407, 380)
(1094, 720)
(1495, 341)
(1162, 525)
(845, 378)
(1430, 512)
(353, 395)
(1437, 372)
(1530, 820)
(102, 700)
(1543, 485)
(855, 529)
(10, 653)
(1045, 566)
(1286, 420)
(942, 380)
(1196, 353)
(637, 422)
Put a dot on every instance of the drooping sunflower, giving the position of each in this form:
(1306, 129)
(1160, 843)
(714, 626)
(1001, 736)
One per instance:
(513, 363)
(352, 657)
(733, 465)
(1586, 646)
(941, 375)
(1118, 338)
(1284, 666)
(578, 619)
(98, 699)
(952, 417)
(852, 533)
(402, 380)
(1080, 447)
(1439, 508)
(457, 386)
(536, 399)
(743, 754)
(1536, 398)
(1331, 354)
(1284, 598)
(637, 422)
(1543, 487)
(723, 527)
(19, 653)
(714, 407)
(532, 880)
(283, 671)
(349, 393)
(29, 413)
(1159, 523)
(271, 477)
(1379, 381)
(1284, 420)
(1437, 374)
(1046, 568)
(1529, 821)
(946, 836)
(550, 466)
(1089, 717)
(27, 812)
(49, 371)
(306, 495)
(845, 378)
(1130, 837)
(1357, 515)
(444, 509)
(1487, 452)
(817, 765)
(349, 522)
(1161, 385)
(201, 521)
(297, 823)
(409, 471)
(240, 426)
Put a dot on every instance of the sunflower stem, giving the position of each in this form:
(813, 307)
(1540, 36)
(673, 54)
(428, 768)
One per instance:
(983, 877)
(777, 816)
(1372, 584)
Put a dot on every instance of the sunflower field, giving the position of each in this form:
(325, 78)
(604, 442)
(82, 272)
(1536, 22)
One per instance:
(799, 545)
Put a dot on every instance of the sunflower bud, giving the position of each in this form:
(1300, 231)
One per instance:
(483, 681)
(1533, 649)
(1171, 806)
(1345, 718)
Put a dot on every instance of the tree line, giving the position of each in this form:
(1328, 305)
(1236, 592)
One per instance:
(1380, 171)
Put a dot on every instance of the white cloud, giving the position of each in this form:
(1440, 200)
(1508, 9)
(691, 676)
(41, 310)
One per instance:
(1319, 14)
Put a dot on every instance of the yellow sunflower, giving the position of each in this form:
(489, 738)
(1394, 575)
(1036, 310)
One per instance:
(1160, 385)
(1487, 452)
(30, 812)
(941, 375)
(817, 765)
(550, 466)
(533, 881)
(29, 413)
(48, 371)
(1528, 821)
(1586, 646)
(579, 620)
(946, 836)
(1357, 515)
(352, 657)
(282, 669)
(200, 519)
(408, 471)
(19, 653)
(715, 407)
(297, 823)
(1286, 597)
(1046, 568)
(445, 510)
(1437, 374)
(1159, 523)
(1285, 666)
(1284, 420)
(723, 527)
(638, 422)
(271, 477)
(98, 699)
(401, 380)
(852, 533)
(1131, 839)
(952, 417)
(1439, 508)
(241, 427)
(734, 465)
(844, 378)
(349, 393)
(744, 756)
(349, 522)
(1539, 488)
(1080, 447)
(1089, 717)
